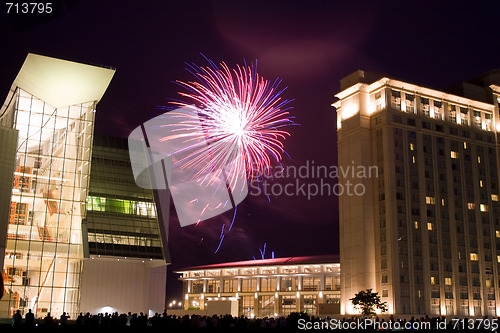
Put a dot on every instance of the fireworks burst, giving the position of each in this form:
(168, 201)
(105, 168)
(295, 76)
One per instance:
(240, 119)
(228, 131)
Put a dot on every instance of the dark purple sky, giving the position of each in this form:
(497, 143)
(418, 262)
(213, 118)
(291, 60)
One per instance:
(310, 45)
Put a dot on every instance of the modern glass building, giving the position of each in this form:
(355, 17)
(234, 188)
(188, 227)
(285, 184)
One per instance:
(124, 236)
(121, 217)
(51, 105)
(267, 287)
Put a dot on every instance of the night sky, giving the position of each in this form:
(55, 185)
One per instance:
(310, 45)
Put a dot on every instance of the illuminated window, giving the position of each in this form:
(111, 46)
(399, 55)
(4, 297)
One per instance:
(416, 224)
(480, 183)
(453, 154)
(410, 103)
(447, 281)
(483, 207)
(268, 284)
(471, 205)
(498, 258)
(488, 283)
(120, 206)
(424, 103)
(412, 147)
(433, 280)
(429, 226)
(230, 285)
(396, 99)
(497, 233)
(479, 159)
(413, 159)
(248, 285)
(473, 256)
(442, 202)
(430, 200)
(465, 145)
(494, 197)
(311, 283)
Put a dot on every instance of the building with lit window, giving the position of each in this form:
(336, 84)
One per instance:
(267, 287)
(48, 118)
(76, 233)
(126, 263)
(426, 232)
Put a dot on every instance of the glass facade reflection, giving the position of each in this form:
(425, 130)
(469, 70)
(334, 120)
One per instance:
(121, 217)
(44, 243)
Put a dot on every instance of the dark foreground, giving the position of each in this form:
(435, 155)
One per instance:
(295, 321)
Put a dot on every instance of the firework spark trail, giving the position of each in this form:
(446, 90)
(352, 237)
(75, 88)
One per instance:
(234, 130)
(241, 117)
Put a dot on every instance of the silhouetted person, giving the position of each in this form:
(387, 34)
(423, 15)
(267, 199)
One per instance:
(48, 320)
(29, 319)
(64, 319)
(17, 319)
(79, 320)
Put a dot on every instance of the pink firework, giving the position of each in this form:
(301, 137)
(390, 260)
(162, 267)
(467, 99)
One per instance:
(237, 120)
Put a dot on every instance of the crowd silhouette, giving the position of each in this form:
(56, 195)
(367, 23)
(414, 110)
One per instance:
(165, 321)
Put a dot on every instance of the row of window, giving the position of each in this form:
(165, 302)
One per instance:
(121, 206)
(264, 270)
(435, 109)
(266, 284)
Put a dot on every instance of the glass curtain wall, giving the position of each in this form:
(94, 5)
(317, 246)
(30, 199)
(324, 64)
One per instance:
(121, 216)
(44, 243)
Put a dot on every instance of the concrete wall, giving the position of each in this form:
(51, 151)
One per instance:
(123, 285)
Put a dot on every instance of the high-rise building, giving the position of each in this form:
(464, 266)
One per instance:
(48, 118)
(76, 232)
(425, 233)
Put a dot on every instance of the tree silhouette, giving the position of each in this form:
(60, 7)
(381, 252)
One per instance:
(368, 302)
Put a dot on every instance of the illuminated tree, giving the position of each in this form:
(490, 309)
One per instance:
(368, 302)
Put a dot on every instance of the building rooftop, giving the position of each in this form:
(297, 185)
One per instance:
(321, 259)
(62, 83)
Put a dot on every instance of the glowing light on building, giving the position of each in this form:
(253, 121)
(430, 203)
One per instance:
(349, 109)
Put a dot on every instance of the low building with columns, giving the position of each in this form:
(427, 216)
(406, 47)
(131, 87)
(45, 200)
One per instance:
(267, 287)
